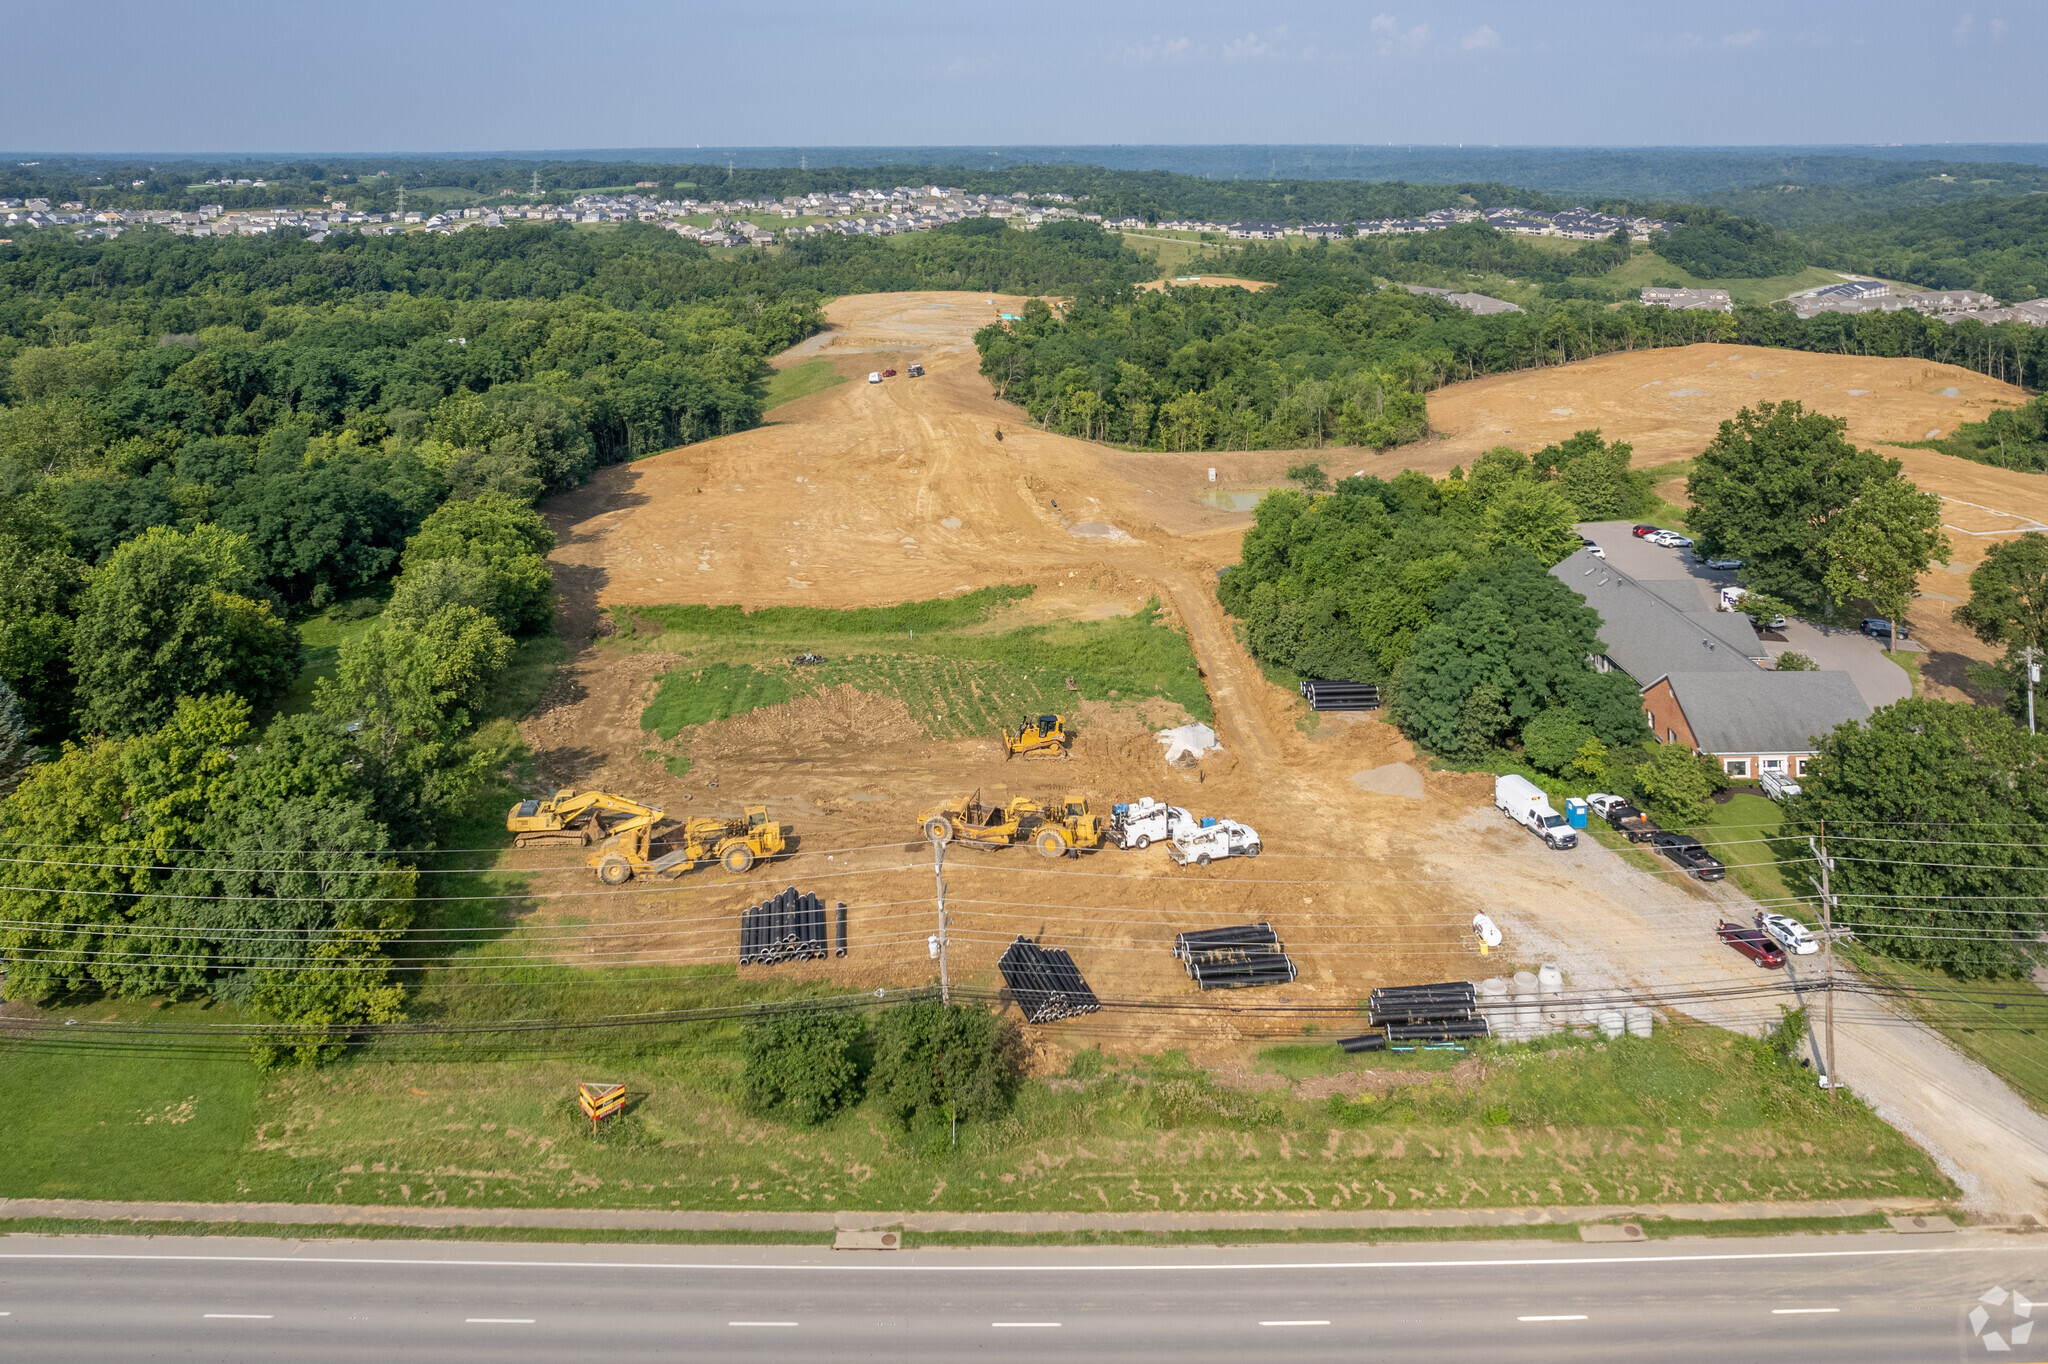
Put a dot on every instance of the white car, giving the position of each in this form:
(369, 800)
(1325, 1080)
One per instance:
(874, 376)
(1670, 539)
(1788, 933)
(1592, 548)
(1777, 785)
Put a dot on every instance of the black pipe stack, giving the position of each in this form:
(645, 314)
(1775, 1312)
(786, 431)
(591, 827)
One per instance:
(787, 927)
(1441, 1012)
(1234, 958)
(840, 950)
(1045, 982)
(1341, 695)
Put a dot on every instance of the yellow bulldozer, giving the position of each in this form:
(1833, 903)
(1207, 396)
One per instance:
(1037, 736)
(633, 839)
(1053, 827)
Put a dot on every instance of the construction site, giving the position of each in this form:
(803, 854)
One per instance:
(1370, 865)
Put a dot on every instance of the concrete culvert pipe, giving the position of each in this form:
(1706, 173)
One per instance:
(1639, 1019)
(1611, 1024)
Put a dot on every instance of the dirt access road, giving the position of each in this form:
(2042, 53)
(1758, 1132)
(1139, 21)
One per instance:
(867, 494)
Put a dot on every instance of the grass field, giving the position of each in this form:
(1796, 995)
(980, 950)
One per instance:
(1692, 1114)
(946, 659)
(800, 381)
(2002, 1023)
(1172, 251)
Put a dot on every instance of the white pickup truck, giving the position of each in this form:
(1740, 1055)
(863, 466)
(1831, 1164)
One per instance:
(1212, 839)
(1522, 801)
(1145, 821)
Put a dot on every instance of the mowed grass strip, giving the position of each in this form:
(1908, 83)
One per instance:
(955, 677)
(1693, 1114)
(800, 381)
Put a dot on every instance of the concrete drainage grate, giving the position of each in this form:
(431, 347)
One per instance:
(867, 1240)
(1609, 1232)
(1920, 1226)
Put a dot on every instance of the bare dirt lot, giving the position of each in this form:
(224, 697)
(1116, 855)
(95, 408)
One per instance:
(869, 494)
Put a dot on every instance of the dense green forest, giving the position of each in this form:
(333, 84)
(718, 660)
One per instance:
(1797, 204)
(1440, 590)
(1999, 245)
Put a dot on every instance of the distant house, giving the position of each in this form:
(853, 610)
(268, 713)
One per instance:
(1702, 675)
(1711, 300)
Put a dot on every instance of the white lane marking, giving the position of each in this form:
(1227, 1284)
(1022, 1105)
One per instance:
(1577, 1318)
(1159, 1268)
(498, 1321)
(1294, 1323)
(1022, 1325)
(1801, 1311)
(230, 1316)
(760, 1323)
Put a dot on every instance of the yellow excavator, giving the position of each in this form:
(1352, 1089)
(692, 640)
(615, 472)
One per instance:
(633, 841)
(1037, 736)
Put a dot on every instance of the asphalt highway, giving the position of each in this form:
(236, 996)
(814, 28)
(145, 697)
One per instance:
(1814, 1300)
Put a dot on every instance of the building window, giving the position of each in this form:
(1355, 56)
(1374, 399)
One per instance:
(1774, 764)
(1670, 736)
(1735, 767)
(1802, 762)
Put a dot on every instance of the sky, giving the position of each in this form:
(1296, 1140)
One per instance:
(457, 75)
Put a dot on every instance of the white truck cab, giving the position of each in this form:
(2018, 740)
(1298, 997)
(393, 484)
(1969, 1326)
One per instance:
(1145, 821)
(1522, 801)
(1212, 839)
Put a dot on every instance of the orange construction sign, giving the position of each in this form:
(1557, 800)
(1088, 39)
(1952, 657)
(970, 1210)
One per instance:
(600, 1101)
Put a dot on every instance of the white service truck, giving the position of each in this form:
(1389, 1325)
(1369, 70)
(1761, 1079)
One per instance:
(1211, 840)
(1142, 822)
(1522, 801)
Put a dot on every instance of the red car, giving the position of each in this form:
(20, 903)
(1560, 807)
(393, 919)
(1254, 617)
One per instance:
(1752, 943)
(1640, 531)
(888, 374)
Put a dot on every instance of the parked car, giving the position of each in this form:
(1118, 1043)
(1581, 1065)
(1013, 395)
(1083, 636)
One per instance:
(915, 371)
(1723, 565)
(874, 376)
(1776, 622)
(888, 374)
(1788, 933)
(1592, 548)
(1751, 943)
(1882, 629)
(1640, 531)
(1688, 853)
(1777, 785)
(1670, 539)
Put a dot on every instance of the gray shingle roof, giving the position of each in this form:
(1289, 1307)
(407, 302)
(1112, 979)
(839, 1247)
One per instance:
(1765, 712)
(1647, 637)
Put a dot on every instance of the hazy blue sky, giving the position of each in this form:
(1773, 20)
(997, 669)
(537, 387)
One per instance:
(422, 75)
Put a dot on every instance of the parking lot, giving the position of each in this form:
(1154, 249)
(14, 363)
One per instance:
(1844, 648)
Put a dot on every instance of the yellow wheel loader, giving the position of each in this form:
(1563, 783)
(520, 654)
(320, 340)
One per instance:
(1067, 826)
(1037, 736)
(634, 841)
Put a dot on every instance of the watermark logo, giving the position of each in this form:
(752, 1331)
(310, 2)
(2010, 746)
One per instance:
(1991, 1327)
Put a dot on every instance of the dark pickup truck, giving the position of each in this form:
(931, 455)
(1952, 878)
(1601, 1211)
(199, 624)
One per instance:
(1687, 853)
(1631, 822)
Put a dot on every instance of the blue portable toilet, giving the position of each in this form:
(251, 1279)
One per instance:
(1575, 812)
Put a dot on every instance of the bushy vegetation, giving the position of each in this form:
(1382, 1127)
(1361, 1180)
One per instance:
(925, 1064)
(1713, 245)
(2010, 437)
(1996, 244)
(786, 622)
(1931, 810)
(1441, 590)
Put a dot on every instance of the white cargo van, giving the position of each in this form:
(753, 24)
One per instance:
(1521, 800)
(874, 376)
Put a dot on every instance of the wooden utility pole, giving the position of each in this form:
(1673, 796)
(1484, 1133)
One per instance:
(2031, 657)
(1827, 945)
(939, 883)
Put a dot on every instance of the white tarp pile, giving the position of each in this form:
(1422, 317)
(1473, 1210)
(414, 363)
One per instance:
(1186, 745)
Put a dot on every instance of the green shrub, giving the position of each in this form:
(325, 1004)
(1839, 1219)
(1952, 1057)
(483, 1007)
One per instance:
(803, 1068)
(935, 1058)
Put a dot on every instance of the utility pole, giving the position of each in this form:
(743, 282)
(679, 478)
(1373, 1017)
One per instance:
(536, 183)
(2032, 657)
(401, 199)
(939, 883)
(1827, 944)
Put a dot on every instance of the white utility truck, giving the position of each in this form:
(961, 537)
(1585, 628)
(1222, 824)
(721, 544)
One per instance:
(1145, 821)
(1212, 840)
(1520, 800)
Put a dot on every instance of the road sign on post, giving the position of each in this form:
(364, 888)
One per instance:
(599, 1102)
